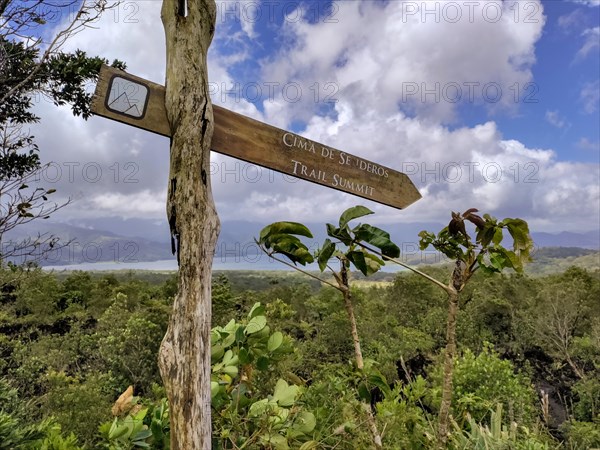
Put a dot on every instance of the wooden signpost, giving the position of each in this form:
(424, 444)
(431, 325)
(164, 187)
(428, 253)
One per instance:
(184, 114)
(141, 103)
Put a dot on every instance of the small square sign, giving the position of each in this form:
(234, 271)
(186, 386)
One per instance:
(127, 97)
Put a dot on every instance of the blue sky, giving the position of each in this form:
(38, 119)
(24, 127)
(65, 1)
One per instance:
(396, 73)
(551, 111)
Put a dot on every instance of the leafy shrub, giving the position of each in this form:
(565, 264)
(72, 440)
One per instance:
(482, 381)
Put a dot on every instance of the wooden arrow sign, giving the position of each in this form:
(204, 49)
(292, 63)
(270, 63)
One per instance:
(141, 103)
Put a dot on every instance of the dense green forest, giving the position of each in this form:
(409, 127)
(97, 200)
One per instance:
(527, 375)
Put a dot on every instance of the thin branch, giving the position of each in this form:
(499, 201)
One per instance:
(270, 255)
(441, 285)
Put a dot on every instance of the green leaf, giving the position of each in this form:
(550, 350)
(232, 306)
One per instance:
(256, 324)
(426, 239)
(285, 228)
(364, 393)
(341, 234)
(244, 356)
(275, 341)
(325, 254)
(358, 259)
(258, 408)
(353, 213)
(141, 435)
(377, 379)
(262, 363)
(310, 445)
(230, 370)
(279, 442)
(257, 310)
(285, 394)
(378, 238)
(305, 422)
(216, 353)
(522, 242)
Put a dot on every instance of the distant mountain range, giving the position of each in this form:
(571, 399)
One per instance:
(90, 242)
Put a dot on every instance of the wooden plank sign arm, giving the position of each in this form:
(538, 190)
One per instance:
(250, 140)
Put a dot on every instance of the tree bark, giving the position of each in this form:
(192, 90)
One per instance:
(444, 417)
(184, 357)
(345, 288)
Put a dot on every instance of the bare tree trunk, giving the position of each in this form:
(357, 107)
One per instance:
(444, 417)
(345, 288)
(184, 358)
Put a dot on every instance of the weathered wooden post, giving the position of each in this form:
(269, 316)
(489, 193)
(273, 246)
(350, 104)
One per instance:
(184, 357)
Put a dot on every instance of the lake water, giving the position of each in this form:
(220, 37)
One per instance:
(219, 263)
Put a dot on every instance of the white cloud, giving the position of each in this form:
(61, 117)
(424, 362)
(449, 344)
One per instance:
(586, 144)
(554, 119)
(590, 96)
(590, 3)
(369, 53)
(382, 56)
(592, 43)
(139, 204)
(574, 20)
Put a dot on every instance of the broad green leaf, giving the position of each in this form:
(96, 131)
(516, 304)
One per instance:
(325, 254)
(229, 339)
(353, 213)
(262, 363)
(426, 239)
(258, 408)
(486, 235)
(230, 358)
(358, 259)
(275, 341)
(256, 324)
(141, 435)
(244, 356)
(378, 238)
(373, 263)
(364, 393)
(257, 310)
(216, 353)
(341, 234)
(522, 242)
(377, 379)
(215, 387)
(285, 394)
(116, 431)
(240, 335)
(310, 445)
(264, 233)
(231, 370)
(305, 422)
(285, 228)
(279, 442)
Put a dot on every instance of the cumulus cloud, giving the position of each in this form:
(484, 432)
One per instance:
(423, 56)
(375, 55)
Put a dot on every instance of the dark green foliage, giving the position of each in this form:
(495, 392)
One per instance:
(71, 344)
